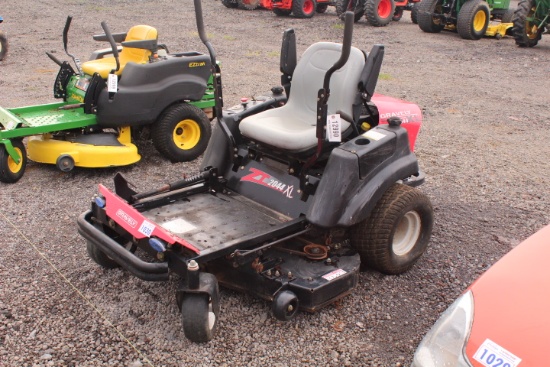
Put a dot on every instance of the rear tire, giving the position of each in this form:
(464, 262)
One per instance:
(304, 8)
(182, 133)
(414, 13)
(398, 14)
(379, 13)
(282, 12)
(358, 9)
(525, 32)
(230, 3)
(397, 232)
(3, 46)
(11, 172)
(321, 8)
(429, 12)
(473, 19)
(508, 16)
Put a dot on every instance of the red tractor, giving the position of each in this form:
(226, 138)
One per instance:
(300, 8)
(379, 13)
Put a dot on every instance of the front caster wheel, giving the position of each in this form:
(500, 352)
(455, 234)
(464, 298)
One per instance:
(199, 311)
(285, 305)
(397, 232)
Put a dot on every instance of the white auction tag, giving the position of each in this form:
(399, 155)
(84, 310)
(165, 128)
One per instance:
(490, 354)
(146, 228)
(334, 128)
(112, 83)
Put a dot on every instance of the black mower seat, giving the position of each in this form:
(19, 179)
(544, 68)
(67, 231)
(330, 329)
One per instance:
(128, 54)
(292, 126)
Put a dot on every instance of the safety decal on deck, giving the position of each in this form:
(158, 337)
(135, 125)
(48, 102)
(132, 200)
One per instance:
(490, 354)
(146, 228)
(178, 225)
(334, 274)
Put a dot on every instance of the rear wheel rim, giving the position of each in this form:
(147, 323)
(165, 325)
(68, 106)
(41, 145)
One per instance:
(480, 19)
(384, 8)
(308, 6)
(531, 30)
(407, 233)
(15, 167)
(187, 134)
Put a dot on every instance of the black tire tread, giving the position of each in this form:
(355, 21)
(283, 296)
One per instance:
(4, 46)
(161, 132)
(99, 257)
(519, 29)
(370, 237)
(194, 311)
(298, 9)
(6, 175)
(230, 4)
(464, 23)
(373, 18)
(425, 20)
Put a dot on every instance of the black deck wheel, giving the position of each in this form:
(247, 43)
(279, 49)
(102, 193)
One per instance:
(99, 257)
(199, 314)
(397, 232)
(10, 171)
(65, 163)
(182, 133)
(285, 305)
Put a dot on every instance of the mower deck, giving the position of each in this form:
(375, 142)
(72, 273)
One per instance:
(34, 120)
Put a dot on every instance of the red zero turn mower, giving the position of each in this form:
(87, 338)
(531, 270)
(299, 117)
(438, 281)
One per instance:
(297, 190)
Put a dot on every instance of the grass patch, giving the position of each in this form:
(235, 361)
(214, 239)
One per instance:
(383, 76)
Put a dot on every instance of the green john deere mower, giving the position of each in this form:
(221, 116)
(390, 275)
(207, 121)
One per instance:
(134, 83)
(472, 19)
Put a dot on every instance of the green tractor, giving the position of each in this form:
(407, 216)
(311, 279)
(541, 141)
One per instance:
(530, 20)
(470, 18)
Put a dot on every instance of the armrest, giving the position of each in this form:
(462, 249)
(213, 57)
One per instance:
(119, 37)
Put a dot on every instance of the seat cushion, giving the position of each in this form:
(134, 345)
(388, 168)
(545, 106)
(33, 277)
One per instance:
(128, 54)
(292, 126)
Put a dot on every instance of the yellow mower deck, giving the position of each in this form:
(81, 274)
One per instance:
(117, 151)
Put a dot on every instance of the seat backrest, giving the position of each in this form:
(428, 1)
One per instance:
(137, 55)
(309, 75)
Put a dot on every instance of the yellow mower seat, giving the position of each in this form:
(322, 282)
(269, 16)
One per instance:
(128, 54)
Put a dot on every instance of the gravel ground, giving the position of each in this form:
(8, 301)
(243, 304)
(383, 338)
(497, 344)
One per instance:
(484, 147)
